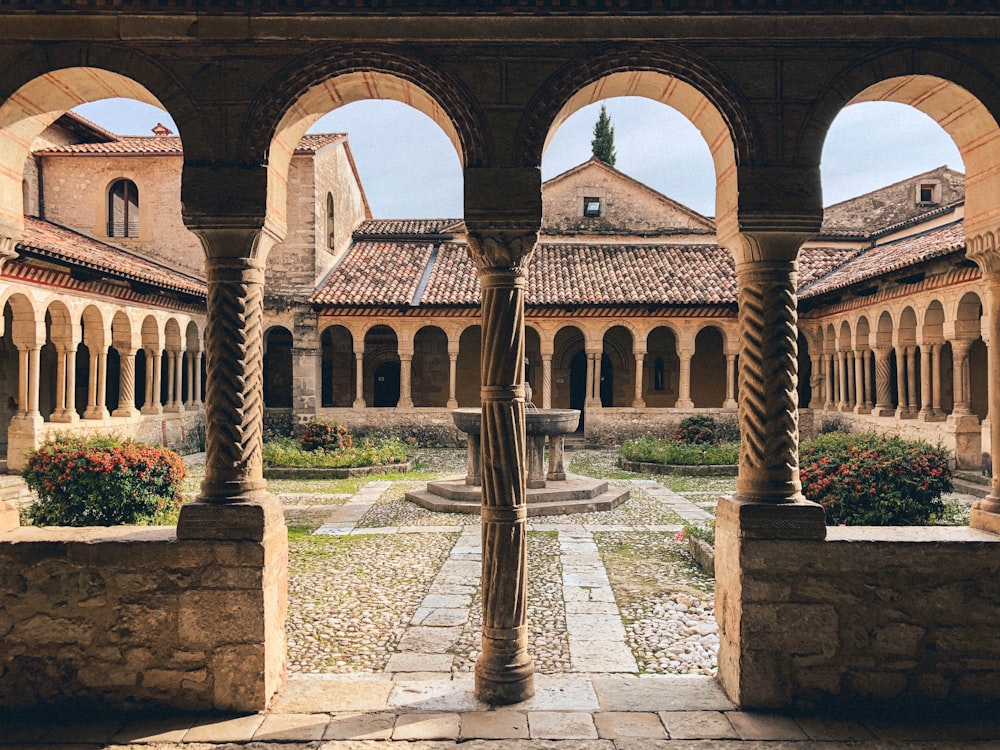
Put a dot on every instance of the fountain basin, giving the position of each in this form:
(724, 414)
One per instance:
(548, 493)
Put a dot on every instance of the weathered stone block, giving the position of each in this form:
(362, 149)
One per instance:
(208, 618)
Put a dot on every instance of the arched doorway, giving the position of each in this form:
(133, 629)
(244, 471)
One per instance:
(385, 384)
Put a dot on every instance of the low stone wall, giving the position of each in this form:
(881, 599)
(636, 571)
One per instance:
(615, 425)
(329, 472)
(183, 432)
(691, 470)
(131, 617)
(870, 618)
(427, 426)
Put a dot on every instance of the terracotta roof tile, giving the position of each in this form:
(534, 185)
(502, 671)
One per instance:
(892, 256)
(408, 228)
(376, 274)
(170, 145)
(816, 262)
(45, 239)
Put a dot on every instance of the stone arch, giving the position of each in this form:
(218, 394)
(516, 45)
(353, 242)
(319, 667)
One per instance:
(338, 367)
(468, 383)
(617, 366)
(43, 85)
(661, 367)
(93, 341)
(381, 366)
(278, 368)
(708, 368)
(952, 92)
(19, 331)
(660, 72)
(310, 88)
(430, 367)
(569, 384)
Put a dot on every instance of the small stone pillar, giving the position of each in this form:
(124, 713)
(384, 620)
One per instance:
(768, 505)
(684, 382)
(359, 375)
(883, 384)
(126, 388)
(926, 407)
(241, 622)
(405, 380)
(473, 463)
(501, 251)
(535, 455)
(637, 401)
(546, 380)
(452, 374)
(866, 362)
(557, 447)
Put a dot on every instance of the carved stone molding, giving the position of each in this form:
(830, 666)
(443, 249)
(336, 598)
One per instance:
(768, 404)
(501, 251)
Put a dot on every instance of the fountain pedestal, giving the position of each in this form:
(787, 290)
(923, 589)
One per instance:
(551, 492)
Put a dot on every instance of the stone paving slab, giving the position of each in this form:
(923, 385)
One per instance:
(442, 694)
(622, 724)
(360, 726)
(239, 729)
(416, 662)
(693, 725)
(660, 693)
(317, 693)
(494, 725)
(752, 726)
(170, 729)
(429, 726)
(292, 727)
(554, 725)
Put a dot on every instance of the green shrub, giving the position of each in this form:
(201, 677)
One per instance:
(370, 451)
(653, 450)
(103, 481)
(696, 429)
(326, 436)
(873, 480)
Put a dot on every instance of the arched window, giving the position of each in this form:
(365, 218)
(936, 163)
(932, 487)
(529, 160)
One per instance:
(330, 237)
(658, 384)
(123, 209)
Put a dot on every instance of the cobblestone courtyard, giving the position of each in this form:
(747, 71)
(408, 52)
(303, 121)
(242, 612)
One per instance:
(380, 585)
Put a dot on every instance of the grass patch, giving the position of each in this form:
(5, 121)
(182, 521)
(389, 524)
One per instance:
(653, 450)
(369, 451)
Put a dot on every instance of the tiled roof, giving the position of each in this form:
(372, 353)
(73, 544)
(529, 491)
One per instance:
(816, 262)
(892, 256)
(42, 238)
(148, 145)
(892, 205)
(414, 228)
(453, 279)
(380, 274)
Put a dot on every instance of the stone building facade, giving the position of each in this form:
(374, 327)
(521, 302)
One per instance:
(800, 609)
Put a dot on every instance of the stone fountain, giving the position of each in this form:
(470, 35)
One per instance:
(549, 492)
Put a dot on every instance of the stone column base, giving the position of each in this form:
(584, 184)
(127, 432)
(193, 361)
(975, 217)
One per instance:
(246, 614)
(757, 520)
(10, 519)
(985, 515)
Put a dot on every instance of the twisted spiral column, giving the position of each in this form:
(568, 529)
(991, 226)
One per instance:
(768, 413)
(883, 382)
(126, 386)
(234, 404)
(504, 671)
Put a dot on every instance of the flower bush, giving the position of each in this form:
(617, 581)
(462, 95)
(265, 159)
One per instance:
(696, 429)
(103, 481)
(369, 451)
(873, 480)
(325, 436)
(653, 450)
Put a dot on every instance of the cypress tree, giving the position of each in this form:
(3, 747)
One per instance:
(603, 145)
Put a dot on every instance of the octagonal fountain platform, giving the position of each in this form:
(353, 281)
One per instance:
(550, 492)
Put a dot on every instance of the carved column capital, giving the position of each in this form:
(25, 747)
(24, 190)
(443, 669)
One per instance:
(8, 249)
(501, 251)
(982, 248)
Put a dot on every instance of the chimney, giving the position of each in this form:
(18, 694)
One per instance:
(162, 130)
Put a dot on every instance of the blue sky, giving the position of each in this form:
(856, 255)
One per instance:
(410, 170)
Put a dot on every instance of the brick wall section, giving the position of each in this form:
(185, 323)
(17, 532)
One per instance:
(907, 616)
(130, 617)
(76, 189)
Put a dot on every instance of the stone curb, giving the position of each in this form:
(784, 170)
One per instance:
(319, 472)
(691, 470)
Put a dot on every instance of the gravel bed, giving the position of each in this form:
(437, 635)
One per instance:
(547, 643)
(446, 461)
(351, 598)
(665, 601)
(700, 485)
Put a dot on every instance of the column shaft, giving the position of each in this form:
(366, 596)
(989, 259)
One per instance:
(925, 381)
(960, 397)
(23, 355)
(405, 373)
(936, 380)
(34, 365)
(452, 379)
(866, 363)
(911, 381)
(684, 385)
(547, 381)
(504, 672)
(359, 383)
(126, 387)
(883, 384)
(730, 402)
(637, 400)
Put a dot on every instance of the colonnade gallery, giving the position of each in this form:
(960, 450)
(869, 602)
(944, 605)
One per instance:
(631, 311)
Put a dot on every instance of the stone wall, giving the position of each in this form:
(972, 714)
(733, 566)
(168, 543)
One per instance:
(130, 618)
(613, 426)
(76, 195)
(906, 616)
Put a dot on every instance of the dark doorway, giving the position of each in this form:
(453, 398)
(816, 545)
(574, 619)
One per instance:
(385, 388)
(607, 381)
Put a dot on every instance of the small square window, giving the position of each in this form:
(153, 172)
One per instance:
(591, 206)
(927, 192)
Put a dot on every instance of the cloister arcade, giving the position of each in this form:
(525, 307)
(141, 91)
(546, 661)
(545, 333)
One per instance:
(799, 607)
(589, 365)
(83, 364)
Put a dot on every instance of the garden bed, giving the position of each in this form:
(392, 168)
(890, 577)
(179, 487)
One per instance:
(334, 472)
(691, 470)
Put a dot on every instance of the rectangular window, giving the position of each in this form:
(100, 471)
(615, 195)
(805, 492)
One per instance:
(927, 192)
(591, 206)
